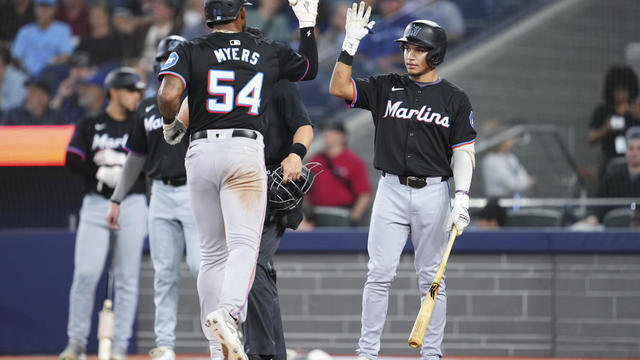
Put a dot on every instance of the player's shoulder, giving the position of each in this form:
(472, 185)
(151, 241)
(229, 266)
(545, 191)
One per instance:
(96, 122)
(453, 90)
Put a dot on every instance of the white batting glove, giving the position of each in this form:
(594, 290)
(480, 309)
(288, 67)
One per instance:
(108, 175)
(306, 12)
(174, 132)
(357, 26)
(459, 214)
(109, 157)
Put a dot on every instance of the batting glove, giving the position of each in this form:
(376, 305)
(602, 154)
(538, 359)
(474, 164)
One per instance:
(174, 132)
(459, 214)
(357, 26)
(306, 11)
(109, 157)
(108, 175)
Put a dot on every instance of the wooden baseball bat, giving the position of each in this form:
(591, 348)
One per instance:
(426, 309)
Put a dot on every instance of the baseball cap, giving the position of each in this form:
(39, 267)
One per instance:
(45, 2)
(633, 133)
(95, 79)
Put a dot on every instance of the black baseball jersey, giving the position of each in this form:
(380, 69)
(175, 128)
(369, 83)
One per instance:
(96, 133)
(163, 160)
(229, 77)
(284, 116)
(417, 127)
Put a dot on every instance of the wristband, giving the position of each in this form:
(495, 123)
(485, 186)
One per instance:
(168, 121)
(298, 149)
(464, 192)
(345, 58)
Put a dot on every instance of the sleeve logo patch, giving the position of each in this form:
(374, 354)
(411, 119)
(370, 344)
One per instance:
(171, 60)
(471, 118)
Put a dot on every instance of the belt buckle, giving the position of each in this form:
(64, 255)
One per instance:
(416, 182)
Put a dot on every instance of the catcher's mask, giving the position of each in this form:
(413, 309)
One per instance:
(285, 197)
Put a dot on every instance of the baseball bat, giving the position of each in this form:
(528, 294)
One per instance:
(106, 316)
(426, 309)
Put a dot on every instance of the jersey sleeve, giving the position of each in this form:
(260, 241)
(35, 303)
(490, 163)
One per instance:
(462, 127)
(178, 64)
(79, 143)
(292, 66)
(291, 105)
(365, 93)
(137, 142)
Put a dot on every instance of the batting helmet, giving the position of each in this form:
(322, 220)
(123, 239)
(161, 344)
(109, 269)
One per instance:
(123, 78)
(427, 34)
(165, 47)
(219, 11)
(284, 197)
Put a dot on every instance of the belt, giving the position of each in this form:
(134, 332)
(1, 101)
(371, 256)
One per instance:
(175, 181)
(416, 182)
(202, 134)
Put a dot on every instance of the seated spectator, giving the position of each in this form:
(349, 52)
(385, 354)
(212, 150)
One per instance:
(164, 22)
(618, 112)
(194, 24)
(267, 18)
(132, 29)
(344, 182)
(444, 12)
(504, 176)
(492, 216)
(622, 182)
(35, 110)
(330, 43)
(14, 14)
(103, 44)
(76, 14)
(65, 99)
(12, 90)
(91, 94)
(43, 42)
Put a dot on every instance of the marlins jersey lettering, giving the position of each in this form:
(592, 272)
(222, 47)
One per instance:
(225, 74)
(97, 133)
(425, 122)
(163, 160)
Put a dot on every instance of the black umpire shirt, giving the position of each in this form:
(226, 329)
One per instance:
(91, 135)
(163, 161)
(230, 75)
(417, 127)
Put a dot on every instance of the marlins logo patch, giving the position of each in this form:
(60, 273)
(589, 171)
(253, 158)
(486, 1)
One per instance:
(171, 60)
(471, 118)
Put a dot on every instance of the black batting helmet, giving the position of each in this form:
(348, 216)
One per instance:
(219, 11)
(123, 78)
(165, 47)
(427, 34)
(285, 197)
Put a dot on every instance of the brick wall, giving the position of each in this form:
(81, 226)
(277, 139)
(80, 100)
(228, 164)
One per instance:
(498, 304)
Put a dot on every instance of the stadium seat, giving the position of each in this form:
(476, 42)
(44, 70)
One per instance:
(620, 218)
(534, 218)
(616, 164)
(330, 216)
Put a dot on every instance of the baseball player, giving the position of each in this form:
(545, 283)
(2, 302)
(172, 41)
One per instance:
(97, 153)
(421, 122)
(229, 76)
(171, 223)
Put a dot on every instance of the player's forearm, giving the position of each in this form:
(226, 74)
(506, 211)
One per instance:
(309, 48)
(77, 165)
(131, 170)
(463, 164)
(340, 84)
(183, 114)
(304, 136)
(169, 97)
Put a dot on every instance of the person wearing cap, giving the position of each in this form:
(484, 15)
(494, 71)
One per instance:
(96, 152)
(12, 89)
(43, 42)
(91, 95)
(621, 182)
(345, 183)
(35, 109)
(492, 216)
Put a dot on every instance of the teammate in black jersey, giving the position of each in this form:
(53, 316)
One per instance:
(421, 121)
(229, 76)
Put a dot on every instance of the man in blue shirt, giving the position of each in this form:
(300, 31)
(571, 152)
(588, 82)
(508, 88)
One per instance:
(43, 42)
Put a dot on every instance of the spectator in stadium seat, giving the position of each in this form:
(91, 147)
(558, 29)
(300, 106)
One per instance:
(43, 42)
(14, 14)
(622, 182)
(130, 27)
(267, 18)
(444, 12)
(619, 112)
(492, 216)
(164, 22)
(504, 175)
(35, 110)
(194, 24)
(344, 182)
(102, 43)
(91, 94)
(12, 90)
(76, 14)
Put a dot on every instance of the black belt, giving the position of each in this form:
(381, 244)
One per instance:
(416, 182)
(175, 181)
(202, 134)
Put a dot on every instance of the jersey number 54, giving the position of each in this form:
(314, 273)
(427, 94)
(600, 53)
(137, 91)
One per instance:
(248, 96)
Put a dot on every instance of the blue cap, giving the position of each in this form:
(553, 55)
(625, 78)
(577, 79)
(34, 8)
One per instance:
(95, 79)
(45, 2)
(633, 133)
